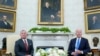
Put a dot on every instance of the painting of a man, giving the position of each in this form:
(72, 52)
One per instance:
(50, 11)
(4, 24)
(7, 21)
(94, 21)
(48, 14)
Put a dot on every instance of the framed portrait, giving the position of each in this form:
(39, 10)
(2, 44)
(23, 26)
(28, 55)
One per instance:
(91, 4)
(50, 12)
(92, 21)
(8, 4)
(7, 21)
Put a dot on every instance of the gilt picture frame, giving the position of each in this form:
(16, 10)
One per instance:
(50, 12)
(92, 21)
(7, 21)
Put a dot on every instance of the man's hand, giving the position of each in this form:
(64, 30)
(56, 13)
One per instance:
(74, 53)
(79, 52)
(52, 16)
(27, 55)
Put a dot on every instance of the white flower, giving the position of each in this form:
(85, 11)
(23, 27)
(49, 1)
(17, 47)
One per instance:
(48, 50)
(61, 52)
(51, 52)
(54, 54)
(40, 52)
(37, 54)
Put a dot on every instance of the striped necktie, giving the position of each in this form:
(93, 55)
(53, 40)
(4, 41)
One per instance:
(26, 45)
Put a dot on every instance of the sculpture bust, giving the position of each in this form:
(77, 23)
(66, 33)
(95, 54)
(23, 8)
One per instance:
(95, 41)
(4, 43)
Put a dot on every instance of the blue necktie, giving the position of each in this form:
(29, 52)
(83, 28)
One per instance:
(77, 43)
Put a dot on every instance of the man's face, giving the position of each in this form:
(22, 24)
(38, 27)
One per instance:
(79, 33)
(4, 17)
(47, 4)
(23, 34)
(94, 18)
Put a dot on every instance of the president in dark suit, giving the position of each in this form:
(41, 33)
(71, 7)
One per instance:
(4, 24)
(78, 46)
(23, 46)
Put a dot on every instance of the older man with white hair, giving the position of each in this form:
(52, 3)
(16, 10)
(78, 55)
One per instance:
(78, 46)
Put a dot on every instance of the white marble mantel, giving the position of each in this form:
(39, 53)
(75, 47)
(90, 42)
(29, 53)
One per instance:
(49, 33)
(51, 39)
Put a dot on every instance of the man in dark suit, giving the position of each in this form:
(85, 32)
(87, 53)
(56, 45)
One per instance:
(4, 24)
(78, 46)
(23, 46)
(48, 13)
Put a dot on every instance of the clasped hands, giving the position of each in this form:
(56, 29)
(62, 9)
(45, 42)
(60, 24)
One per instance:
(76, 52)
(52, 16)
(27, 55)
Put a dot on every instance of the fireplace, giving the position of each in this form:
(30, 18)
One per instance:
(47, 47)
(46, 40)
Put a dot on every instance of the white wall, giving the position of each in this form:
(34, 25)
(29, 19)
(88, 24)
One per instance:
(27, 12)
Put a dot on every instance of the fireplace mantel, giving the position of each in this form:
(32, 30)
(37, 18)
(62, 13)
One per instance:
(49, 34)
(50, 39)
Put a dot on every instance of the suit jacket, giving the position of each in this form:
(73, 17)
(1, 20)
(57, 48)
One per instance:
(84, 46)
(4, 26)
(46, 14)
(20, 49)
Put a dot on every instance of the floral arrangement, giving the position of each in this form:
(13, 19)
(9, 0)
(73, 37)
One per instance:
(51, 52)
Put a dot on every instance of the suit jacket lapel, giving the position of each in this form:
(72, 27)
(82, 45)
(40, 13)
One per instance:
(74, 42)
(23, 44)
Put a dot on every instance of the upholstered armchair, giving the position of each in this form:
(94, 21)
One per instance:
(90, 42)
(10, 43)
